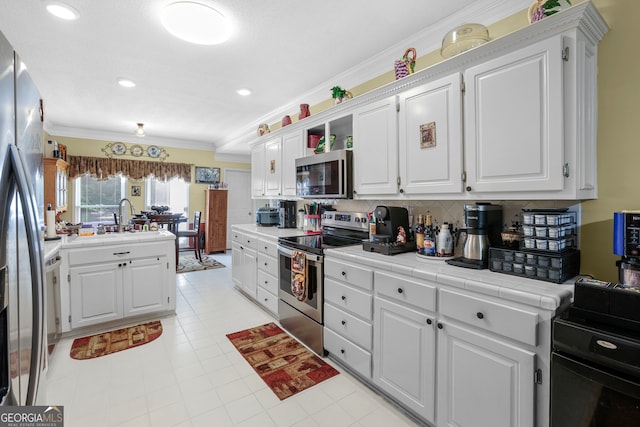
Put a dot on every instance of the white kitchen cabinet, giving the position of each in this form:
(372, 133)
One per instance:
(112, 290)
(273, 167)
(292, 148)
(145, 286)
(514, 131)
(483, 381)
(96, 294)
(375, 148)
(404, 356)
(430, 133)
(267, 275)
(244, 261)
(258, 170)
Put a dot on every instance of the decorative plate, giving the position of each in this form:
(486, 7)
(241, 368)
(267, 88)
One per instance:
(136, 150)
(153, 151)
(118, 148)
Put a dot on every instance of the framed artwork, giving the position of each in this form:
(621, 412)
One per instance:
(206, 175)
(135, 190)
(428, 135)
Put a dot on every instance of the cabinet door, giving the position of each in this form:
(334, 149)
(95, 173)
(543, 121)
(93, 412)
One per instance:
(404, 356)
(273, 167)
(292, 148)
(236, 264)
(145, 286)
(514, 138)
(483, 382)
(430, 131)
(257, 170)
(250, 271)
(96, 294)
(375, 148)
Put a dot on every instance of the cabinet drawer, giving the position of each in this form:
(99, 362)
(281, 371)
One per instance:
(356, 276)
(267, 300)
(349, 299)
(268, 248)
(350, 327)
(268, 281)
(350, 354)
(268, 264)
(501, 319)
(410, 292)
(244, 239)
(116, 253)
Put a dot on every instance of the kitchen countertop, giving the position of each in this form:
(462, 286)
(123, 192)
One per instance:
(268, 232)
(538, 293)
(67, 242)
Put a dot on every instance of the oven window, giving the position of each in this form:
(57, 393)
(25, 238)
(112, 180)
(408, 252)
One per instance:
(586, 396)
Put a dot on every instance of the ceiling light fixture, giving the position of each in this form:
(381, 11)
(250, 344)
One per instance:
(62, 11)
(244, 92)
(140, 130)
(126, 82)
(195, 23)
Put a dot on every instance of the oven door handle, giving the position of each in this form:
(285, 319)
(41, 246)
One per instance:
(310, 257)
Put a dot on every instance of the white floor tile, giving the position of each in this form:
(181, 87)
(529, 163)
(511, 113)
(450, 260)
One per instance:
(193, 376)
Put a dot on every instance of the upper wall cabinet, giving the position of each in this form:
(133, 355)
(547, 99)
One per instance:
(257, 170)
(273, 169)
(292, 149)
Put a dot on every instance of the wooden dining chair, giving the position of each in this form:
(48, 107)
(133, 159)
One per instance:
(194, 234)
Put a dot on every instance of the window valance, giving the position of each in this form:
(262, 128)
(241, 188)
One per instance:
(102, 168)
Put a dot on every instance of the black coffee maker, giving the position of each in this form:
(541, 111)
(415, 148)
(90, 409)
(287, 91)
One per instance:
(483, 227)
(390, 222)
(287, 214)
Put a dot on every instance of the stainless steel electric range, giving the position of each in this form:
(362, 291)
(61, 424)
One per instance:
(303, 317)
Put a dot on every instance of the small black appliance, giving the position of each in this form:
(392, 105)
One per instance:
(267, 216)
(484, 224)
(287, 214)
(390, 222)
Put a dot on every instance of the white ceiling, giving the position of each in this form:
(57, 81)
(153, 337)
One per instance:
(286, 51)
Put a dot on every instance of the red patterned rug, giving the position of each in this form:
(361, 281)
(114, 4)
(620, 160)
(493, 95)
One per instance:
(114, 341)
(282, 362)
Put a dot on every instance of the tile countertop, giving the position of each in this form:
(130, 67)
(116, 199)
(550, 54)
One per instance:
(537, 293)
(268, 232)
(67, 242)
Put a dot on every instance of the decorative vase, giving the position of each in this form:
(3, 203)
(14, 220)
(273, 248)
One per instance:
(286, 120)
(540, 9)
(304, 111)
(263, 129)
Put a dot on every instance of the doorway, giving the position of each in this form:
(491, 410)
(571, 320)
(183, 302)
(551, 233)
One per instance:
(239, 203)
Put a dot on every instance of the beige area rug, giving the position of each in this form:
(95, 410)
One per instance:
(188, 262)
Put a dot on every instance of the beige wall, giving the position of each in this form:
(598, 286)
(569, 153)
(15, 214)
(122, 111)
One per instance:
(93, 148)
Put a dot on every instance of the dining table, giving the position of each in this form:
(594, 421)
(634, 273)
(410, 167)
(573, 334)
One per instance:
(165, 220)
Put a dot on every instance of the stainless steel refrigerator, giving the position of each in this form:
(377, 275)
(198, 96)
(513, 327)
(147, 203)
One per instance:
(22, 320)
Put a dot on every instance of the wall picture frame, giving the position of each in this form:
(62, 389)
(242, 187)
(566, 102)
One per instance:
(207, 175)
(136, 190)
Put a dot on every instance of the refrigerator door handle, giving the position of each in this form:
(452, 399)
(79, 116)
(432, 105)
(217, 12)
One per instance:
(37, 277)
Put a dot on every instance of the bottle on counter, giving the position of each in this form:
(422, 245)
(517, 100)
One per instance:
(420, 235)
(372, 226)
(444, 242)
(429, 244)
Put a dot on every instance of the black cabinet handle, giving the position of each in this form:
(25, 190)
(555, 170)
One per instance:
(401, 191)
(429, 321)
(440, 326)
(344, 322)
(344, 273)
(342, 350)
(344, 298)
(400, 290)
(468, 188)
(265, 300)
(266, 281)
(479, 315)
(265, 264)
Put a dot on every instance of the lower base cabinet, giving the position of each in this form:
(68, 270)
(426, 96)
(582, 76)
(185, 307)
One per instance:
(110, 291)
(483, 382)
(404, 350)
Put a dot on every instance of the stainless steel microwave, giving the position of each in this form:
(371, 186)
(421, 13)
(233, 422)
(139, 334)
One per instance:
(326, 175)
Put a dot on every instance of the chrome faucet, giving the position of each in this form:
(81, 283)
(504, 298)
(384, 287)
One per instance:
(121, 213)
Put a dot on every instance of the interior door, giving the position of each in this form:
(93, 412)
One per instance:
(239, 203)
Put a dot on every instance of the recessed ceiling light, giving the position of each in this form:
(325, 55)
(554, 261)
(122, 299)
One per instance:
(244, 92)
(62, 11)
(126, 82)
(140, 130)
(195, 23)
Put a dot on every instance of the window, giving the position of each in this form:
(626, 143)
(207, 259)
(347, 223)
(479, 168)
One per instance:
(173, 193)
(97, 200)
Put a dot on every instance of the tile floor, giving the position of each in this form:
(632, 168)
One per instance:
(192, 375)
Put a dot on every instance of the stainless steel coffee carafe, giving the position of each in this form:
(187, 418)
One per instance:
(483, 226)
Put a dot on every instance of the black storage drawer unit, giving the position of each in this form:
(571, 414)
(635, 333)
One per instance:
(541, 265)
